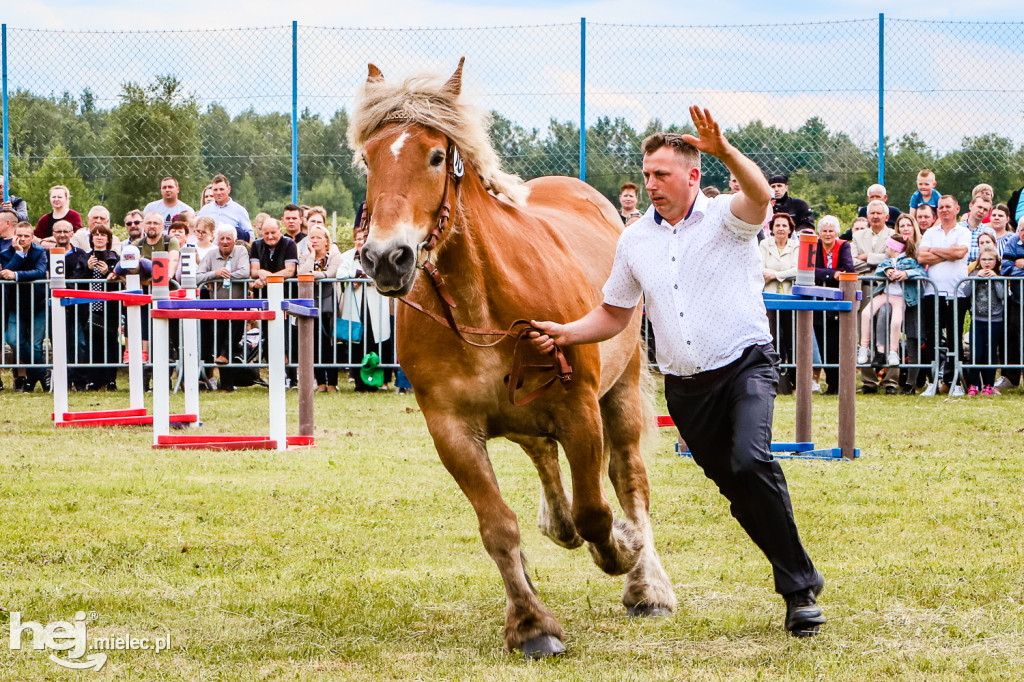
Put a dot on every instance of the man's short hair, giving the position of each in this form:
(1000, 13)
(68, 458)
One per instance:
(690, 154)
(169, 177)
(629, 185)
(98, 210)
(978, 197)
(951, 198)
(132, 212)
(930, 208)
(292, 207)
(978, 189)
(220, 177)
(224, 228)
(877, 188)
(926, 173)
(63, 222)
(711, 191)
(879, 202)
(7, 211)
(24, 223)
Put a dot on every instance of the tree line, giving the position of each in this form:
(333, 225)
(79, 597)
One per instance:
(117, 156)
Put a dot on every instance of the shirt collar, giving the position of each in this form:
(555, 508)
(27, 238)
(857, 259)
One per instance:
(699, 206)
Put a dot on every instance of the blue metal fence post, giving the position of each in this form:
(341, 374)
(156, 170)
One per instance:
(881, 98)
(583, 99)
(295, 112)
(7, 170)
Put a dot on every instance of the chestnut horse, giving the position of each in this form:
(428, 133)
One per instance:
(510, 251)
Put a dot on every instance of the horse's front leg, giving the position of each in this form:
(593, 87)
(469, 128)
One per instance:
(529, 626)
(614, 544)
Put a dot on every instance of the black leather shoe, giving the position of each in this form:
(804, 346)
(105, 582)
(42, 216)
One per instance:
(868, 390)
(803, 615)
(19, 383)
(891, 390)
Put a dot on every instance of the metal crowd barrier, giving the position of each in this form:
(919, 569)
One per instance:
(354, 323)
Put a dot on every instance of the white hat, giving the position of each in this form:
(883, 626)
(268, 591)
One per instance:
(130, 257)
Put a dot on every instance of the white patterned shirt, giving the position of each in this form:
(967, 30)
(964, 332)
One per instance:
(702, 281)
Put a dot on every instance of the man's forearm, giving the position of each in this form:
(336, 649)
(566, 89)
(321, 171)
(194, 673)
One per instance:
(601, 323)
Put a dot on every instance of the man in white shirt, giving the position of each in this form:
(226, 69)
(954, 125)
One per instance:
(168, 204)
(943, 249)
(696, 262)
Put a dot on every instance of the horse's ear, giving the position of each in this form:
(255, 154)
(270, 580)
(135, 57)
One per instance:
(375, 75)
(454, 84)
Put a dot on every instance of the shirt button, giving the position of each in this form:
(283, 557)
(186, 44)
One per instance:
(673, 258)
(675, 286)
(680, 314)
(687, 343)
(673, 231)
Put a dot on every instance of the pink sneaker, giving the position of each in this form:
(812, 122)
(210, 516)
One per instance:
(973, 390)
(988, 390)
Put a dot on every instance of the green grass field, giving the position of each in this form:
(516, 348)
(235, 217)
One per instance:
(360, 558)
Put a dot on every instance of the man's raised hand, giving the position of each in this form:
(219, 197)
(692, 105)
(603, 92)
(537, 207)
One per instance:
(710, 139)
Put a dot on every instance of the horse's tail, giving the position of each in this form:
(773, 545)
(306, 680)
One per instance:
(648, 392)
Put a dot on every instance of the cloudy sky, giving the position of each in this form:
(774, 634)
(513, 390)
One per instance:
(191, 14)
(731, 59)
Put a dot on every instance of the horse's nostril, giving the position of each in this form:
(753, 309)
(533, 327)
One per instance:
(367, 259)
(402, 258)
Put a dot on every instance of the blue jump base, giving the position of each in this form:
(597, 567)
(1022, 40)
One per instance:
(796, 451)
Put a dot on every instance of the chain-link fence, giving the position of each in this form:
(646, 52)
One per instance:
(110, 113)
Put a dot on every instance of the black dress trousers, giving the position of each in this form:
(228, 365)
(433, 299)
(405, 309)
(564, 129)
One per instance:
(725, 417)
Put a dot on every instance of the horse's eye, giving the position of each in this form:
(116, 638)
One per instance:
(436, 159)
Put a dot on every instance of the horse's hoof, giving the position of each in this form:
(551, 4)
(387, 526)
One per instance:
(647, 611)
(542, 646)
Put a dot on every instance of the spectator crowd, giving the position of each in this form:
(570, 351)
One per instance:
(941, 309)
(235, 257)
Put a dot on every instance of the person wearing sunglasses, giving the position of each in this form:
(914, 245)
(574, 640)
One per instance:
(133, 223)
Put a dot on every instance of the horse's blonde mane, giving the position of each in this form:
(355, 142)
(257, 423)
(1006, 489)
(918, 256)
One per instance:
(430, 101)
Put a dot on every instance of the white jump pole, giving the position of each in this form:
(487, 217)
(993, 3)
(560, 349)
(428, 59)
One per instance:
(161, 352)
(58, 338)
(276, 362)
(136, 392)
(190, 336)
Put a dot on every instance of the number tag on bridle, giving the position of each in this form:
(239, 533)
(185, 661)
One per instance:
(457, 168)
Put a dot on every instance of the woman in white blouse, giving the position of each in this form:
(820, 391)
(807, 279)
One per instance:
(778, 265)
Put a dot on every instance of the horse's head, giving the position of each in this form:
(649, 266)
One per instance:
(411, 173)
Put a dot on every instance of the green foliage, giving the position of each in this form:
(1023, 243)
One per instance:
(157, 129)
(56, 169)
(153, 132)
(331, 193)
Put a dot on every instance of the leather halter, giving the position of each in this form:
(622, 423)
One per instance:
(519, 330)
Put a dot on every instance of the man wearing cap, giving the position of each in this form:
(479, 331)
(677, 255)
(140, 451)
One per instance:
(168, 205)
(13, 203)
(798, 208)
(719, 364)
